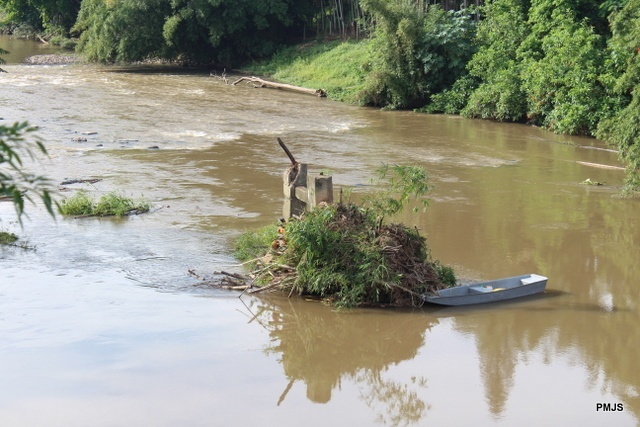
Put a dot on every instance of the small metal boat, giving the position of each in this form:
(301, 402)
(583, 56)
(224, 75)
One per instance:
(492, 291)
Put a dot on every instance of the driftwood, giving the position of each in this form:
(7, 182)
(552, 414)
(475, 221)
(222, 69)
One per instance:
(230, 281)
(258, 82)
(222, 77)
(287, 152)
(601, 166)
(131, 212)
(80, 181)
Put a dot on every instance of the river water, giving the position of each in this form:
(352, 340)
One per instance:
(102, 324)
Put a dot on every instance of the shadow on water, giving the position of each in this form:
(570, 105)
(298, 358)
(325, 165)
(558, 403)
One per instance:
(519, 303)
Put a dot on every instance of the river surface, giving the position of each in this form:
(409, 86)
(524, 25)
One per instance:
(103, 325)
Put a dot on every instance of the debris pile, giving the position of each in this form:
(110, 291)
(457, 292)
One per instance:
(343, 253)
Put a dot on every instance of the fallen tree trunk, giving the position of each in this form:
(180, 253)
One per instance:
(258, 82)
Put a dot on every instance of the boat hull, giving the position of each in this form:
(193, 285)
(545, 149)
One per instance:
(492, 291)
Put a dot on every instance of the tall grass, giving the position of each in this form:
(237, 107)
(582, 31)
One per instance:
(253, 244)
(111, 204)
(339, 68)
(78, 205)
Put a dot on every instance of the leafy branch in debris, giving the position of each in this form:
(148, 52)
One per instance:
(346, 254)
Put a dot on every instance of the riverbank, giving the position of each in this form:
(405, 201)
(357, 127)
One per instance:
(338, 67)
(346, 71)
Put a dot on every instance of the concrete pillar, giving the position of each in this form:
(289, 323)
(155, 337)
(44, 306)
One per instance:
(303, 192)
(320, 190)
(292, 205)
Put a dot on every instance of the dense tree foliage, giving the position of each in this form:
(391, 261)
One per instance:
(622, 129)
(2, 61)
(221, 31)
(423, 50)
(499, 95)
(561, 61)
(105, 29)
(54, 16)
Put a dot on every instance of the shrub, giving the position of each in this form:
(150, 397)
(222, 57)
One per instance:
(346, 254)
(498, 94)
(7, 238)
(255, 243)
(562, 87)
(454, 99)
(80, 205)
(420, 53)
(500, 99)
(111, 204)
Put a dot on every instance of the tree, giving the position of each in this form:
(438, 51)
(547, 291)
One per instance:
(621, 129)
(562, 59)
(16, 183)
(122, 31)
(499, 94)
(232, 30)
(52, 15)
(219, 31)
(423, 51)
(2, 61)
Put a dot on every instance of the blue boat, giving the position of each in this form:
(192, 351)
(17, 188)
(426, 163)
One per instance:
(492, 291)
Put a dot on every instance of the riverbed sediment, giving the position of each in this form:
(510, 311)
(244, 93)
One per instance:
(54, 59)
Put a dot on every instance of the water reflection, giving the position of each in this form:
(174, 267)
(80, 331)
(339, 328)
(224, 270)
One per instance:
(327, 350)
(19, 49)
(321, 347)
(507, 337)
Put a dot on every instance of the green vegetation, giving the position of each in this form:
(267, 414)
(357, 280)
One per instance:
(16, 183)
(493, 88)
(2, 61)
(403, 184)
(620, 128)
(339, 68)
(221, 31)
(255, 243)
(420, 52)
(7, 238)
(569, 66)
(111, 204)
(51, 17)
(346, 254)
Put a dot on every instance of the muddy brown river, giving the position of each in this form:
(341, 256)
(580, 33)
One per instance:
(101, 324)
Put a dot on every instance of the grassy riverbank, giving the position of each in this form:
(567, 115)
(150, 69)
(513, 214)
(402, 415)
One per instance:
(338, 67)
